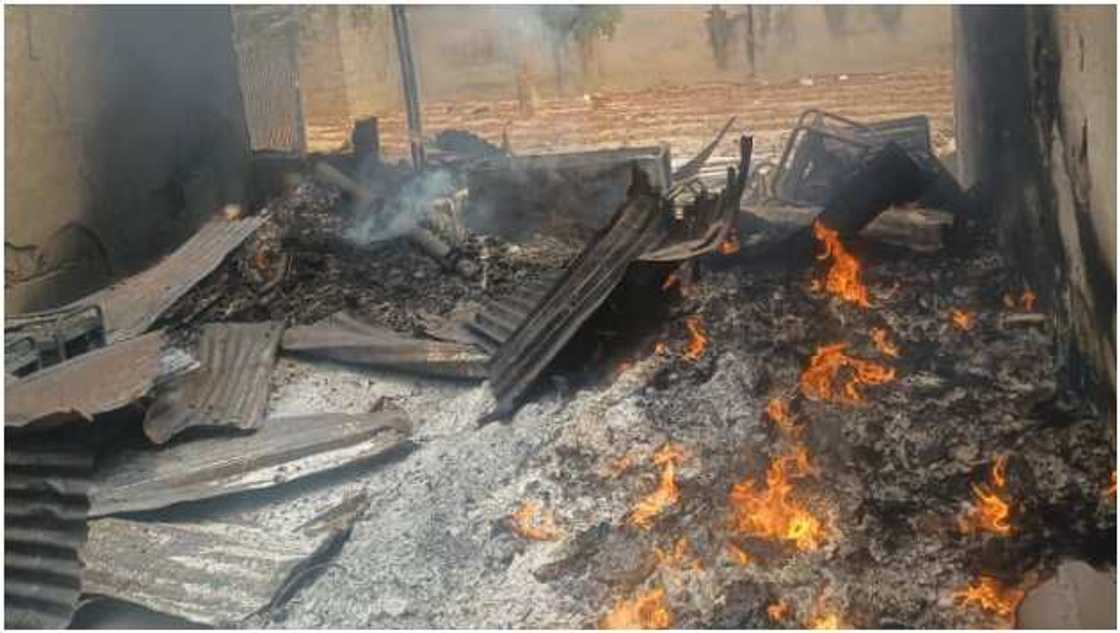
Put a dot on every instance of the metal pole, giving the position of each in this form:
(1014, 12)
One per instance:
(408, 82)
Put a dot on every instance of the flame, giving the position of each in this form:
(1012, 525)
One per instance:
(817, 382)
(778, 611)
(879, 337)
(737, 555)
(730, 246)
(697, 340)
(992, 511)
(988, 594)
(670, 281)
(771, 512)
(666, 494)
(778, 411)
(678, 556)
(1112, 487)
(660, 348)
(646, 611)
(1027, 300)
(963, 319)
(843, 279)
(827, 621)
(523, 524)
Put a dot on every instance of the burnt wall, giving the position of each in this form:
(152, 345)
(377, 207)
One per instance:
(124, 129)
(1036, 128)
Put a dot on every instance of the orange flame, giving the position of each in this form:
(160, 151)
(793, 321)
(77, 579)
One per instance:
(843, 279)
(988, 594)
(660, 348)
(525, 526)
(737, 555)
(992, 511)
(778, 411)
(778, 611)
(646, 611)
(697, 340)
(1027, 300)
(666, 494)
(771, 512)
(963, 319)
(670, 281)
(882, 343)
(817, 382)
(826, 621)
(730, 246)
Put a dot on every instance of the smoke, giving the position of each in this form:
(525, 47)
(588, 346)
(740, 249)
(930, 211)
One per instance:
(407, 209)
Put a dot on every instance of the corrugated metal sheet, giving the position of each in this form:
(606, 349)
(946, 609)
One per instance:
(131, 306)
(229, 389)
(45, 507)
(638, 225)
(102, 380)
(209, 572)
(282, 449)
(344, 338)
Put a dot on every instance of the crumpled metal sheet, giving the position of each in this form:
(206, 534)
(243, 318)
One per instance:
(102, 380)
(229, 389)
(637, 226)
(693, 166)
(45, 506)
(209, 572)
(343, 338)
(282, 449)
(133, 305)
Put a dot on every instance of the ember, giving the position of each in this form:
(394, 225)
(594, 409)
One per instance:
(778, 411)
(670, 281)
(1027, 300)
(843, 278)
(730, 246)
(771, 512)
(882, 343)
(1112, 487)
(661, 348)
(962, 319)
(697, 341)
(989, 595)
(526, 524)
(666, 494)
(647, 611)
(828, 621)
(818, 380)
(992, 512)
(778, 611)
(737, 555)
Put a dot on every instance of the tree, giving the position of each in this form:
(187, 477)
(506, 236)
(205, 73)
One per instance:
(582, 24)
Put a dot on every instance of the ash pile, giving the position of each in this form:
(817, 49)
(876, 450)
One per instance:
(566, 391)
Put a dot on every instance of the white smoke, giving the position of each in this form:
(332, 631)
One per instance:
(411, 206)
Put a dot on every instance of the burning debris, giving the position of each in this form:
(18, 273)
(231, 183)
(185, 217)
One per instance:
(529, 523)
(666, 494)
(880, 337)
(963, 320)
(646, 611)
(778, 611)
(843, 277)
(697, 341)
(778, 411)
(992, 511)
(989, 594)
(771, 511)
(820, 381)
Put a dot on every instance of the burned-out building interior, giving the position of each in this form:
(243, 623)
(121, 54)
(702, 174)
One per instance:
(560, 316)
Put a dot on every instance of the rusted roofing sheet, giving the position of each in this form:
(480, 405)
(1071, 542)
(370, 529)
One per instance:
(102, 380)
(229, 389)
(45, 505)
(132, 305)
(208, 572)
(344, 338)
(637, 226)
(281, 449)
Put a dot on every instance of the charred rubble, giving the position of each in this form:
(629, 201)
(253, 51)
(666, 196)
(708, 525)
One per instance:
(811, 396)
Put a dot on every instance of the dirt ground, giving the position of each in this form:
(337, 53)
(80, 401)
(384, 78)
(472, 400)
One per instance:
(686, 117)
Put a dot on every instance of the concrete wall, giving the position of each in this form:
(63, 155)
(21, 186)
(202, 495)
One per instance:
(1036, 127)
(124, 125)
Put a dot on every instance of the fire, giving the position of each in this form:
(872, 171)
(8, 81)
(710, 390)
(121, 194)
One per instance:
(1027, 300)
(737, 555)
(963, 319)
(843, 279)
(678, 556)
(992, 511)
(666, 494)
(778, 411)
(1112, 487)
(770, 511)
(670, 281)
(988, 594)
(730, 246)
(646, 611)
(697, 340)
(882, 343)
(778, 611)
(525, 526)
(660, 348)
(817, 382)
(827, 621)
